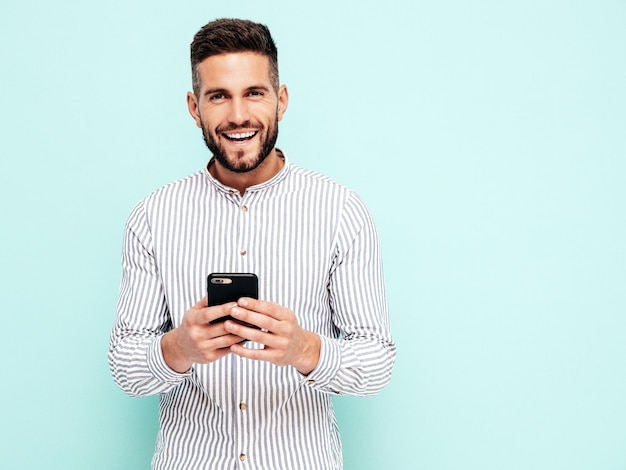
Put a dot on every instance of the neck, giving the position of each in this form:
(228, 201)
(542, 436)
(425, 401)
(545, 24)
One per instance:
(242, 181)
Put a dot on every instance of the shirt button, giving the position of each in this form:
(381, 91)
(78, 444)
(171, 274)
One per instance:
(242, 457)
(243, 252)
(243, 406)
(311, 382)
(244, 208)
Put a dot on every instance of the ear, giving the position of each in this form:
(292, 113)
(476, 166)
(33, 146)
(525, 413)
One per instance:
(192, 104)
(283, 100)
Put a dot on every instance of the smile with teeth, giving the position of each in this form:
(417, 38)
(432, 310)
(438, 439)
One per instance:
(240, 136)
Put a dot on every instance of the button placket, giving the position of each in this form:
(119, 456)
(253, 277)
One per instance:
(242, 415)
(244, 224)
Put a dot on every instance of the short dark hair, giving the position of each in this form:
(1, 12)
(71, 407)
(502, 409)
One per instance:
(232, 35)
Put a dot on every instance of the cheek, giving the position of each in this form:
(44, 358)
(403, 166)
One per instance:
(211, 126)
(211, 117)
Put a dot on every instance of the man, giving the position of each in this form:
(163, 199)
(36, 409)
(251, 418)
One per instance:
(235, 396)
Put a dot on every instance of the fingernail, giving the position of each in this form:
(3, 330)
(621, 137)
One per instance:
(243, 302)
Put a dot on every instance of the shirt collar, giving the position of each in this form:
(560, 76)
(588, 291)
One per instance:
(277, 178)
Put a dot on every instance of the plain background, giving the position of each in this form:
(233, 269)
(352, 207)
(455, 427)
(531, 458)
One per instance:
(487, 138)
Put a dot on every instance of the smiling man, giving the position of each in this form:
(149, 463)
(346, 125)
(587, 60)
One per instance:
(254, 391)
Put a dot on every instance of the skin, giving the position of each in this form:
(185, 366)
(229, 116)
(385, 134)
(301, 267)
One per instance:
(236, 96)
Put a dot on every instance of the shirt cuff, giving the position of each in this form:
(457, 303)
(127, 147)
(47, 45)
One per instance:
(159, 368)
(327, 367)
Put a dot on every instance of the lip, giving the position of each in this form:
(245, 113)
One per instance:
(240, 137)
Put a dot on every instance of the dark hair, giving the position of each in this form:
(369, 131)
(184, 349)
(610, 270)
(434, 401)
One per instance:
(232, 35)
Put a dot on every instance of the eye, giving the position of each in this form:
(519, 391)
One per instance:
(256, 94)
(217, 97)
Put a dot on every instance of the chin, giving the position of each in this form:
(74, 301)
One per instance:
(241, 163)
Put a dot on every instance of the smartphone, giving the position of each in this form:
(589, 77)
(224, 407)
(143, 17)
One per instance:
(230, 287)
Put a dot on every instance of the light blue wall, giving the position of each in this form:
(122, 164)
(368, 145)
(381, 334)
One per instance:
(488, 139)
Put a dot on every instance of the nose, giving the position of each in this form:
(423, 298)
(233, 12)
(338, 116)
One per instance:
(239, 112)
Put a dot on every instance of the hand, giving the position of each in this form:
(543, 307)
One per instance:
(286, 342)
(196, 340)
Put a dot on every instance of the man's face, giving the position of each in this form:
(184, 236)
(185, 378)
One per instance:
(238, 109)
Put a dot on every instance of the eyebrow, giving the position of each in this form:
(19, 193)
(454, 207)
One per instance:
(212, 91)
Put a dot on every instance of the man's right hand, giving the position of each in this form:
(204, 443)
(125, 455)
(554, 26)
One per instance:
(196, 340)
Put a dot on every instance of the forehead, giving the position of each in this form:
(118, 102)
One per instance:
(234, 70)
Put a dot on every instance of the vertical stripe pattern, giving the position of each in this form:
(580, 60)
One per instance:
(314, 248)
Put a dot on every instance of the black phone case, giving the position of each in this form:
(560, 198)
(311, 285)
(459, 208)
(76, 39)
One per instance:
(230, 287)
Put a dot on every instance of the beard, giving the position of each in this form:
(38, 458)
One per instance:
(236, 163)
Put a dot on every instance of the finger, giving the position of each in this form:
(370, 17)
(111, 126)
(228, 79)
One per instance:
(270, 309)
(228, 327)
(213, 313)
(220, 353)
(202, 304)
(246, 331)
(211, 355)
(269, 340)
(261, 320)
(222, 342)
(252, 353)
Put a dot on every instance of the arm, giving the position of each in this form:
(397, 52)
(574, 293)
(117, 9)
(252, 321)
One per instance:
(361, 361)
(135, 356)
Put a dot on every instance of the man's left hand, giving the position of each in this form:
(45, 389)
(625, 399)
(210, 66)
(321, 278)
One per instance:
(286, 342)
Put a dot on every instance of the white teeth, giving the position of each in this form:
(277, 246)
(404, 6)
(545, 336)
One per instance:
(244, 135)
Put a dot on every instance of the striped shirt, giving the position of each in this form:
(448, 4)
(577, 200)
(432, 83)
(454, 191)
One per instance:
(314, 248)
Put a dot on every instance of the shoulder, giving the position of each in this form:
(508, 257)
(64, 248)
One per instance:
(309, 179)
(184, 186)
(177, 193)
(329, 197)
(170, 194)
